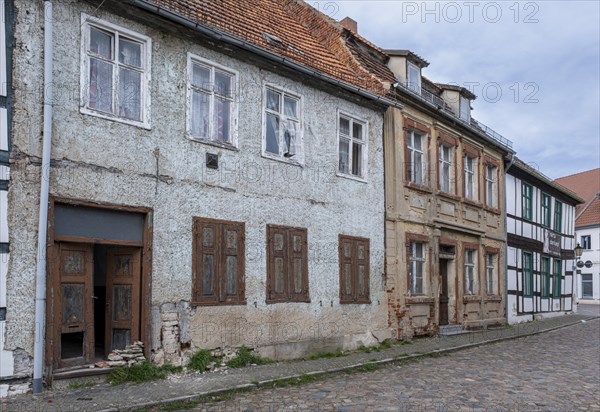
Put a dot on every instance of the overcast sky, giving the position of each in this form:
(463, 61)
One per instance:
(534, 66)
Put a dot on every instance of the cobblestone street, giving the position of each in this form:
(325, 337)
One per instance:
(554, 371)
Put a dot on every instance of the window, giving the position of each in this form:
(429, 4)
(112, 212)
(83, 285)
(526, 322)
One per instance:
(557, 216)
(490, 270)
(527, 274)
(491, 188)
(465, 109)
(218, 262)
(416, 157)
(586, 242)
(287, 264)
(527, 201)
(2, 50)
(352, 146)
(587, 286)
(283, 132)
(417, 263)
(470, 177)
(546, 209)
(446, 156)
(414, 78)
(115, 76)
(211, 107)
(557, 278)
(354, 269)
(545, 277)
(470, 272)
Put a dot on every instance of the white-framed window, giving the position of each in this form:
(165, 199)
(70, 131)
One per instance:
(417, 157)
(491, 186)
(3, 78)
(586, 242)
(490, 271)
(212, 109)
(282, 137)
(115, 72)
(446, 158)
(465, 109)
(470, 272)
(414, 78)
(417, 263)
(470, 177)
(352, 146)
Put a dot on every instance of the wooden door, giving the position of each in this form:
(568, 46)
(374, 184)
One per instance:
(122, 297)
(73, 305)
(444, 292)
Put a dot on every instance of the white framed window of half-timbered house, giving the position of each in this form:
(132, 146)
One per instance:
(352, 146)
(212, 106)
(218, 262)
(282, 125)
(115, 72)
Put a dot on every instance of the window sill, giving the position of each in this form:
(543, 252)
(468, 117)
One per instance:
(351, 177)
(493, 298)
(355, 302)
(448, 195)
(416, 299)
(493, 210)
(91, 112)
(282, 159)
(236, 303)
(471, 298)
(418, 187)
(213, 143)
(274, 301)
(472, 203)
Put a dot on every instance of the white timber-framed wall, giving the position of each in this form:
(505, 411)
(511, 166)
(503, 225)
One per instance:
(540, 281)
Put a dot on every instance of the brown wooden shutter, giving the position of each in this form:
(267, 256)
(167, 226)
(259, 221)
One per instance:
(346, 269)
(277, 262)
(298, 265)
(206, 240)
(231, 263)
(362, 259)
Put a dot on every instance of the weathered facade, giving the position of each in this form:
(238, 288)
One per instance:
(203, 192)
(541, 239)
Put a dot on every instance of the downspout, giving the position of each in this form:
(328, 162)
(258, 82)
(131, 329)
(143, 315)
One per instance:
(511, 162)
(40, 284)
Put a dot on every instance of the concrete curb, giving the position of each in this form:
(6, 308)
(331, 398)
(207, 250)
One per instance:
(332, 371)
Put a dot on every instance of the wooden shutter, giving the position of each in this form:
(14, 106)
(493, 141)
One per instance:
(354, 258)
(231, 261)
(206, 258)
(346, 269)
(298, 265)
(362, 259)
(277, 261)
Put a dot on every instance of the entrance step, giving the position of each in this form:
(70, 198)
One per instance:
(446, 330)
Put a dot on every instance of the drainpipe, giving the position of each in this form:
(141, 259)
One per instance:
(40, 284)
(512, 161)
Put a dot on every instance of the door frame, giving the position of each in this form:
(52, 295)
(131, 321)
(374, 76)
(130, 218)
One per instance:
(51, 268)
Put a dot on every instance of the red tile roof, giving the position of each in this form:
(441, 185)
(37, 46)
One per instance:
(585, 184)
(590, 214)
(307, 36)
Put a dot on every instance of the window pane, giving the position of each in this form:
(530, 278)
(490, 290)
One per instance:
(344, 156)
(289, 138)
(208, 275)
(223, 84)
(101, 94)
(201, 77)
(272, 144)
(200, 114)
(417, 141)
(279, 274)
(357, 159)
(348, 278)
(290, 107)
(273, 100)
(418, 168)
(344, 126)
(357, 131)
(130, 53)
(221, 120)
(130, 83)
(101, 43)
(297, 268)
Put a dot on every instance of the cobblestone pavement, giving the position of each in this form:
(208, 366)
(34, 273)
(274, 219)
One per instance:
(588, 309)
(554, 371)
(104, 397)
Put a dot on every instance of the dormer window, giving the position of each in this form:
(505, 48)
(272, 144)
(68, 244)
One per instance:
(465, 109)
(414, 78)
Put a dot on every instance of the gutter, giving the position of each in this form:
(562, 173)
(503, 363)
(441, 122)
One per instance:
(40, 284)
(242, 44)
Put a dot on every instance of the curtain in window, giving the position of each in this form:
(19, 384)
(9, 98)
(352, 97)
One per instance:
(100, 87)
(130, 83)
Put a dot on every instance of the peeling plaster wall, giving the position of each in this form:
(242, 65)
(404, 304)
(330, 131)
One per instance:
(104, 161)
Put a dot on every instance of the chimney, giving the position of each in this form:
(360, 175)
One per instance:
(349, 24)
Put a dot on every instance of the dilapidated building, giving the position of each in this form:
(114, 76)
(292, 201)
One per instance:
(215, 179)
(541, 239)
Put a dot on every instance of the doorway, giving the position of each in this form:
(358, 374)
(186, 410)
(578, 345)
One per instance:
(97, 301)
(443, 264)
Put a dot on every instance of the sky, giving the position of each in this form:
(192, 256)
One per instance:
(534, 66)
